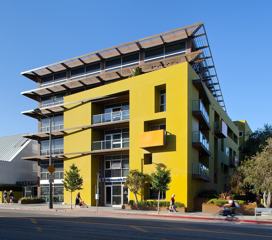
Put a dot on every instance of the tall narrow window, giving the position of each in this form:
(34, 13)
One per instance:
(160, 98)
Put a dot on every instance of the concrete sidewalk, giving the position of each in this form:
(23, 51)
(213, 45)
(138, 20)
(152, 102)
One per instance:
(64, 210)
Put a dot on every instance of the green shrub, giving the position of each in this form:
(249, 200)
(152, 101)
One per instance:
(152, 204)
(220, 202)
(28, 200)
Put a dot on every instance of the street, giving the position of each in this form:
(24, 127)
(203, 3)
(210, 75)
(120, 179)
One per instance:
(33, 225)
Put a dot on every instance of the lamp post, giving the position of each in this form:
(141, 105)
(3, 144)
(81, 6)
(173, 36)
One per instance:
(51, 168)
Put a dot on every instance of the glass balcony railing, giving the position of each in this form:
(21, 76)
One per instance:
(46, 128)
(111, 117)
(54, 151)
(110, 144)
(57, 175)
(198, 137)
(51, 103)
(201, 170)
(199, 106)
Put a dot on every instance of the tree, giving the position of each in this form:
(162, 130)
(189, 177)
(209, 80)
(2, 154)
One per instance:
(72, 180)
(256, 141)
(135, 182)
(257, 172)
(160, 180)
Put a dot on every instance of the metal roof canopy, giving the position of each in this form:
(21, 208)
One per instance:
(155, 40)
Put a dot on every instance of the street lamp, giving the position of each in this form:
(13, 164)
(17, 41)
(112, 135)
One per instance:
(51, 168)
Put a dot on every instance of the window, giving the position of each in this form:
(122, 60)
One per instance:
(171, 49)
(113, 63)
(241, 134)
(131, 58)
(116, 166)
(95, 67)
(157, 127)
(77, 71)
(162, 100)
(59, 76)
(154, 53)
(47, 79)
(227, 151)
(147, 158)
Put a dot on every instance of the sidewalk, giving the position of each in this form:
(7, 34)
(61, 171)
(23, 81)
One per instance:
(64, 210)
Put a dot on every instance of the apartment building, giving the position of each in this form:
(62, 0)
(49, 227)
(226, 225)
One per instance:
(132, 106)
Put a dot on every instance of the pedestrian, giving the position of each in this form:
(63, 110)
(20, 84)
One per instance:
(5, 196)
(172, 207)
(11, 196)
(78, 200)
(230, 207)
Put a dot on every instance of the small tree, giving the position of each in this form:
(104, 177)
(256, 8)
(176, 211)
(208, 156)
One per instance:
(160, 180)
(257, 172)
(72, 180)
(135, 182)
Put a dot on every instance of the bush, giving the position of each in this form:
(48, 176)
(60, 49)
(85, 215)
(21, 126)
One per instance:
(150, 204)
(28, 200)
(220, 202)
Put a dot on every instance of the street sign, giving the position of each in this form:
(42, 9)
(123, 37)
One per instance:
(96, 196)
(51, 169)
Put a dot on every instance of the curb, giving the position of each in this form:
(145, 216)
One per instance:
(208, 218)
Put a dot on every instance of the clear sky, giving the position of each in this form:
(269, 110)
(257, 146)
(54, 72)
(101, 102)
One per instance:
(35, 33)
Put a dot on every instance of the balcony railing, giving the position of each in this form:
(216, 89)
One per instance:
(199, 106)
(110, 144)
(54, 151)
(52, 103)
(111, 117)
(200, 170)
(58, 127)
(198, 137)
(57, 175)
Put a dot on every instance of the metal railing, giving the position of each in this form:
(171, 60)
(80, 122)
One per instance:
(52, 103)
(57, 175)
(54, 151)
(111, 117)
(199, 106)
(58, 127)
(200, 169)
(110, 144)
(198, 137)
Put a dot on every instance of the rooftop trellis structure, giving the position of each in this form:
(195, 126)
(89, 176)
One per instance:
(200, 57)
(204, 65)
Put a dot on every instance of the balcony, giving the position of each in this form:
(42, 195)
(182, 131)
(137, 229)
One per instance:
(200, 171)
(201, 142)
(54, 151)
(55, 128)
(220, 129)
(114, 145)
(57, 175)
(155, 138)
(200, 112)
(110, 118)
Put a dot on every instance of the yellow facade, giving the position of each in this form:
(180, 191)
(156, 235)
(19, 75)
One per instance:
(178, 153)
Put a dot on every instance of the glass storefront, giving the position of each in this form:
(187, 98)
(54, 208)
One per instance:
(57, 192)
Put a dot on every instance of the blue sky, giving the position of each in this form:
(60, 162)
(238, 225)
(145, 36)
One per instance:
(35, 33)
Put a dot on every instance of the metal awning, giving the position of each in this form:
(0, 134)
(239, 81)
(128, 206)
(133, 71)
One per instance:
(156, 40)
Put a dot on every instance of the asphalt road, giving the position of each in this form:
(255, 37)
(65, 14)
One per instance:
(16, 225)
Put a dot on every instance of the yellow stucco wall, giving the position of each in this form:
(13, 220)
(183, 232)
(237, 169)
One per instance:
(142, 108)
(178, 154)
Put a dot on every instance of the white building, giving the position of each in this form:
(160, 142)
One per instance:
(13, 170)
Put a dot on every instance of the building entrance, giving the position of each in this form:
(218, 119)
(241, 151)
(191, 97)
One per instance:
(116, 194)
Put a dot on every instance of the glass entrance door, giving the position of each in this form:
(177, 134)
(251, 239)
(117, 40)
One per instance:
(108, 196)
(116, 195)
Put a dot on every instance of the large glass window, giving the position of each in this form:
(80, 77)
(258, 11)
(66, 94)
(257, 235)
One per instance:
(77, 71)
(116, 166)
(60, 76)
(57, 123)
(48, 101)
(131, 58)
(113, 63)
(173, 48)
(154, 52)
(95, 67)
(162, 100)
(57, 146)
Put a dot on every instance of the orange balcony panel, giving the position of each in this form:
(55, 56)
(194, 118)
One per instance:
(152, 139)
